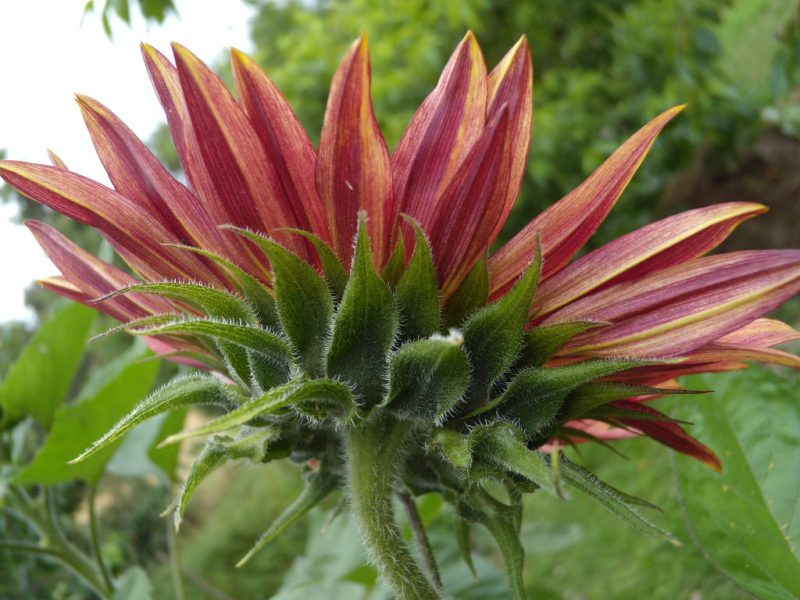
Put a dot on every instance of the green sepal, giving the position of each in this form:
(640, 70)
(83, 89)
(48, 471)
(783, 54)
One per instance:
(469, 297)
(427, 378)
(593, 395)
(183, 391)
(318, 486)
(316, 399)
(500, 519)
(464, 545)
(212, 301)
(456, 448)
(304, 302)
(219, 450)
(259, 340)
(335, 273)
(493, 335)
(365, 326)
(501, 444)
(535, 396)
(394, 267)
(247, 285)
(611, 499)
(541, 343)
(418, 291)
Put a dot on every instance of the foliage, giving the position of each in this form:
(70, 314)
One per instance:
(152, 10)
(48, 417)
(746, 521)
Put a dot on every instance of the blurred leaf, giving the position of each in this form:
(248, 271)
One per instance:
(76, 426)
(747, 520)
(40, 378)
(167, 457)
(133, 585)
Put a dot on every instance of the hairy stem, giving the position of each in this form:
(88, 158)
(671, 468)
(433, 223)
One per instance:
(372, 454)
(421, 539)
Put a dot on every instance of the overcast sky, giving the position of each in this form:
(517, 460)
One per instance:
(48, 55)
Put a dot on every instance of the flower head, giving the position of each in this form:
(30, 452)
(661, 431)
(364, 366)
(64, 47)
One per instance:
(322, 282)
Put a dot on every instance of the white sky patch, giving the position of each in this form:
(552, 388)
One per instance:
(47, 56)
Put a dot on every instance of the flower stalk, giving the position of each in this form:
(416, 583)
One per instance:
(373, 454)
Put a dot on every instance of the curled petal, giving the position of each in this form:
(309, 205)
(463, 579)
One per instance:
(353, 168)
(678, 310)
(566, 226)
(662, 244)
(441, 134)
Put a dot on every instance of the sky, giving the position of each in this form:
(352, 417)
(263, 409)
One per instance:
(49, 52)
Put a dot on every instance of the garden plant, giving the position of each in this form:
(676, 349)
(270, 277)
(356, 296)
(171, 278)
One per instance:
(346, 308)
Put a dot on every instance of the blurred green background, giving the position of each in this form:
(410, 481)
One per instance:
(602, 69)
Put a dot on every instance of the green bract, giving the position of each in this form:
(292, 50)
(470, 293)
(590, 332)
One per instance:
(358, 379)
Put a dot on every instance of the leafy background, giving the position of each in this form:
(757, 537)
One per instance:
(602, 70)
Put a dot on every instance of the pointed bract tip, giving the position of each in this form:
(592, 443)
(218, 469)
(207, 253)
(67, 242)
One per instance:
(241, 57)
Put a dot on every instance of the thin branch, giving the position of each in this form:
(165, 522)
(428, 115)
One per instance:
(421, 538)
(174, 561)
(95, 536)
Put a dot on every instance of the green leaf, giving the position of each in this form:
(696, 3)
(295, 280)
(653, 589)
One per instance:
(503, 445)
(541, 343)
(535, 396)
(335, 273)
(212, 301)
(179, 393)
(316, 399)
(256, 339)
(455, 447)
(219, 450)
(493, 335)
(39, 380)
(133, 585)
(305, 305)
(418, 291)
(610, 498)
(747, 519)
(318, 486)
(126, 381)
(250, 287)
(365, 326)
(394, 267)
(593, 395)
(427, 378)
(469, 297)
(464, 545)
(167, 458)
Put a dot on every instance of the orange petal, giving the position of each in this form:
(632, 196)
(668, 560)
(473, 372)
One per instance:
(677, 311)
(566, 226)
(441, 134)
(511, 84)
(353, 168)
(662, 244)
(283, 137)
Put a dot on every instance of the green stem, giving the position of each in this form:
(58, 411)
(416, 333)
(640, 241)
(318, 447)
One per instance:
(54, 542)
(499, 519)
(96, 548)
(174, 562)
(421, 539)
(372, 453)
